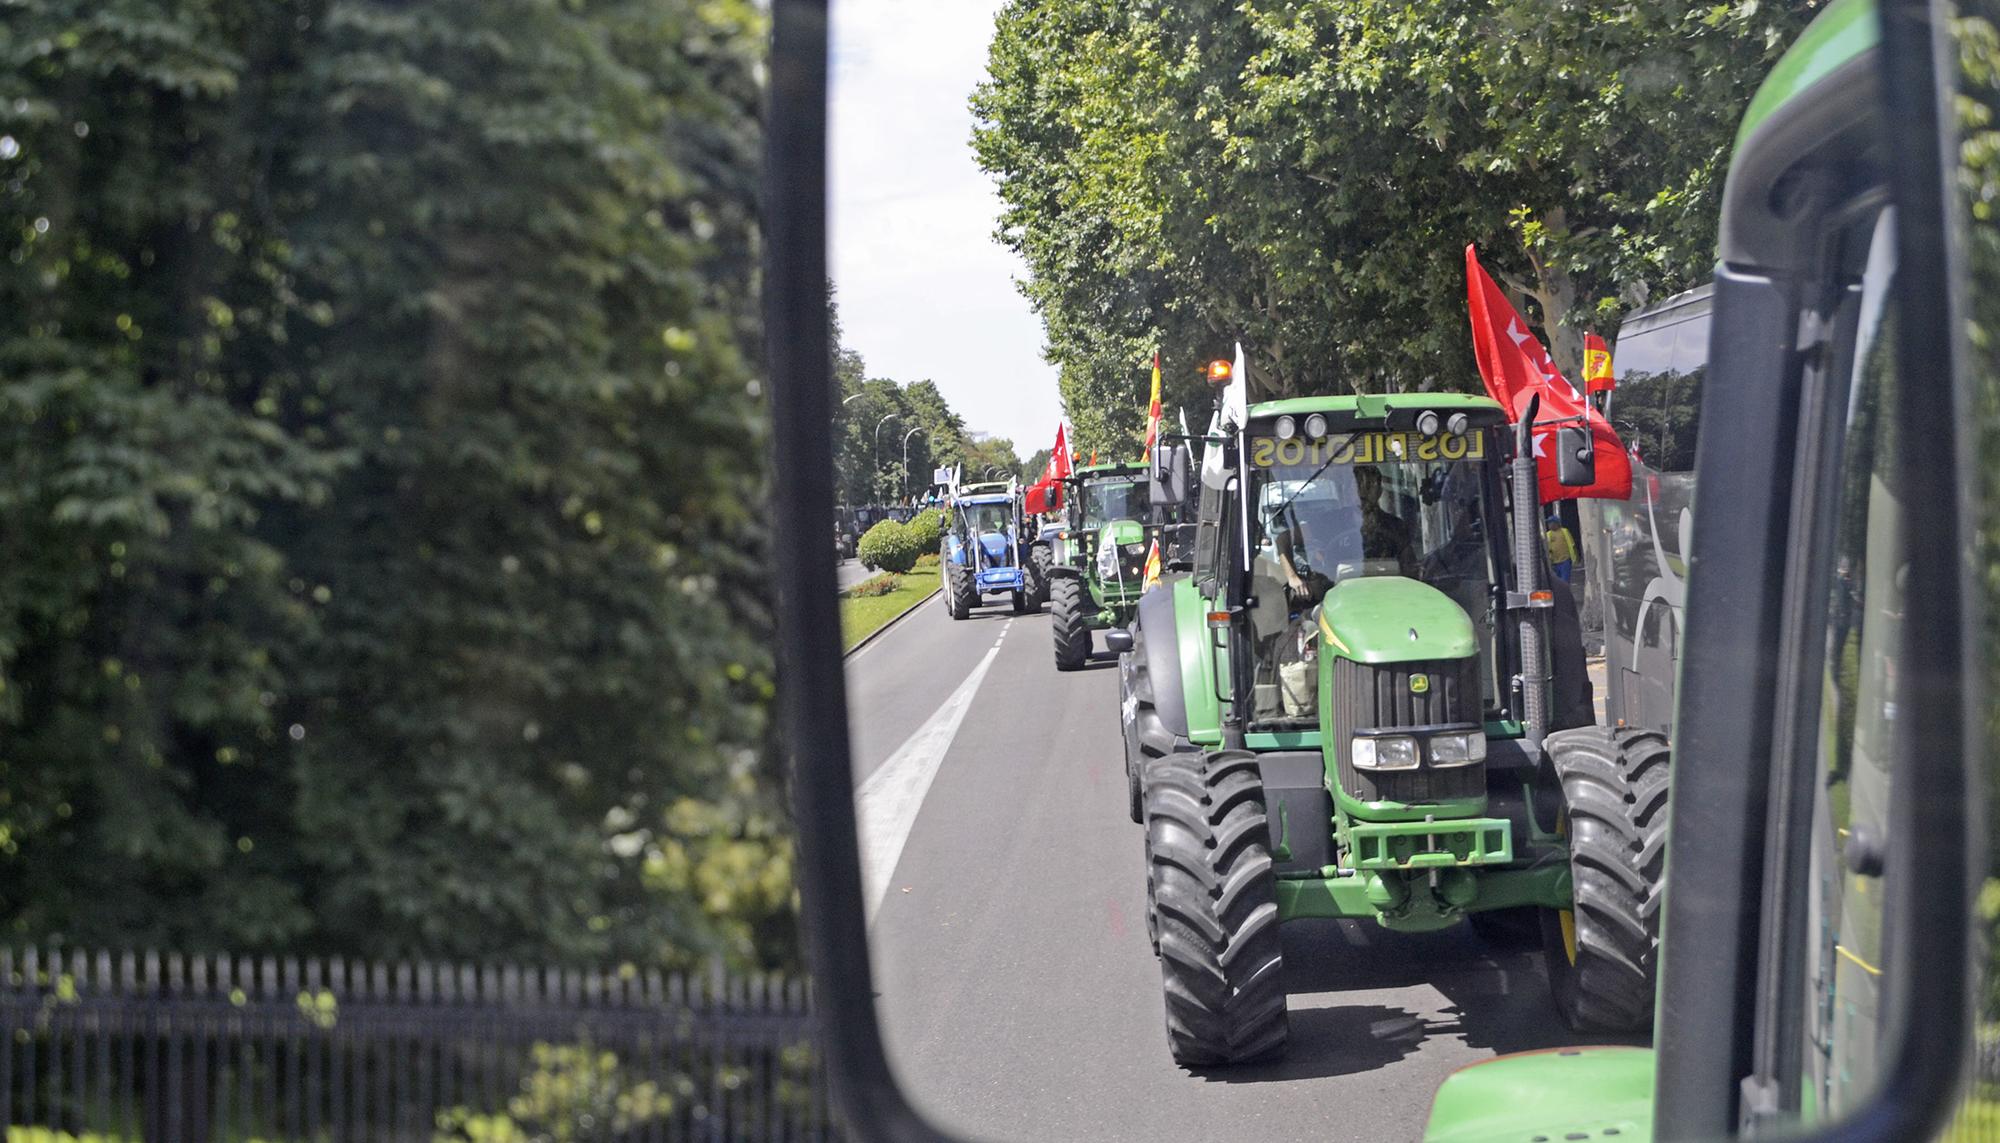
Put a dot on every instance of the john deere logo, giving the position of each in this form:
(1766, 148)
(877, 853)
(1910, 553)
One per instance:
(1419, 684)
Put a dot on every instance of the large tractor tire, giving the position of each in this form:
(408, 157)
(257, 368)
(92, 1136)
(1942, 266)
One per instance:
(1070, 622)
(1603, 954)
(1037, 569)
(1216, 901)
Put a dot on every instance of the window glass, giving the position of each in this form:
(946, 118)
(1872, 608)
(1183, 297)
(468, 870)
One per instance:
(1857, 722)
(1657, 406)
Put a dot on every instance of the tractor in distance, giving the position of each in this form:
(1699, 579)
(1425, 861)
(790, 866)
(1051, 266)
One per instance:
(982, 550)
(1097, 558)
(1367, 699)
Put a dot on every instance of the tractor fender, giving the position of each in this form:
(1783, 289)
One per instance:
(1064, 571)
(1163, 658)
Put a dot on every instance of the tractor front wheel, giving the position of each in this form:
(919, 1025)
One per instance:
(1069, 623)
(1216, 903)
(959, 594)
(1603, 953)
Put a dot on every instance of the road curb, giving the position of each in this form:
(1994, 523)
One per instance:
(891, 625)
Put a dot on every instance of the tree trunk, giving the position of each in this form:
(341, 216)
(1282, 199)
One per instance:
(1556, 291)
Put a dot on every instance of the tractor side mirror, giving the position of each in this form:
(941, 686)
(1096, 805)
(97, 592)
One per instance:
(1167, 480)
(1576, 458)
(1118, 640)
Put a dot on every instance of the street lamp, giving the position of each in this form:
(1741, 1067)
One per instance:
(906, 458)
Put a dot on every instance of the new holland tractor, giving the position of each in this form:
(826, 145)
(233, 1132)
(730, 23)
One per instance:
(982, 551)
(1368, 700)
(1097, 561)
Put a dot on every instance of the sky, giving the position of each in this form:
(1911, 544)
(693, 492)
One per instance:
(924, 291)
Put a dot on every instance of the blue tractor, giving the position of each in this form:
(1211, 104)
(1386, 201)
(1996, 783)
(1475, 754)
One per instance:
(983, 553)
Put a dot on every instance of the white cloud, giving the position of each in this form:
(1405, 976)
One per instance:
(924, 290)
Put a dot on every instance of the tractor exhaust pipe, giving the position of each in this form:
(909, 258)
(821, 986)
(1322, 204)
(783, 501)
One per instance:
(1529, 603)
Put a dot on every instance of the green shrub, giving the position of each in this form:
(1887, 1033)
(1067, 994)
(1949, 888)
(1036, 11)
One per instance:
(928, 528)
(890, 547)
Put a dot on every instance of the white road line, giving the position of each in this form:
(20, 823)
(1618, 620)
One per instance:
(886, 805)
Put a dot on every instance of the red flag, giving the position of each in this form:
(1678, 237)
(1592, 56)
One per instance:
(1515, 367)
(1153, 410)
(1059, 463)
(1036, 499)
(1596, 366)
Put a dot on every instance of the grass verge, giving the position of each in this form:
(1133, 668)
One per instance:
(866, 608)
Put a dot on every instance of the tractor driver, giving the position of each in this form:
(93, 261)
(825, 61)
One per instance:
(1384, 535)
(1328, 531)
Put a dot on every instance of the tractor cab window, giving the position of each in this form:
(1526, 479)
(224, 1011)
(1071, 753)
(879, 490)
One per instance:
(1107, 500)
(1316, 525)
(989, 519)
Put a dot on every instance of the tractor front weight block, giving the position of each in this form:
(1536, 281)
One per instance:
(1431, 845)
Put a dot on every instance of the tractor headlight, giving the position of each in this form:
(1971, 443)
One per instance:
(1315, 426)
(1286, 428)
(1385, 752)
(1458, 749)
(1135, 549)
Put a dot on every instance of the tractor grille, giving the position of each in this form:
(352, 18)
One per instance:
(1379, 698)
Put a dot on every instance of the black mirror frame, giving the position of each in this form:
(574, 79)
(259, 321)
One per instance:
(1576, 458)
(1925, 1055)
(812, 686)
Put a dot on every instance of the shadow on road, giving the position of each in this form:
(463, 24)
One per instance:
(1344, 1039)
(1498, 1000)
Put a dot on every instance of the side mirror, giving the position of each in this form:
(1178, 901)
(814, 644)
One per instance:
(1118, 640)
(1167, 480)
(1576, 460)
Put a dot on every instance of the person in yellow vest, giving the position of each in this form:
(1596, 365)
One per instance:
(1562, 547)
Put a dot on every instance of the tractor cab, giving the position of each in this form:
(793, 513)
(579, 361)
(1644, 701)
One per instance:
(1362, 521)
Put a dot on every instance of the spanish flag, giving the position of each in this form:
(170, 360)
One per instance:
(1152, 575)
(1153, 410)
(1596, 366)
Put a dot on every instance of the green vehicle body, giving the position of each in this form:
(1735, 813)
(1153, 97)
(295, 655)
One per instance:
(1112, 598)
(1095, 564)
(1582, 1092)
(1413, 866)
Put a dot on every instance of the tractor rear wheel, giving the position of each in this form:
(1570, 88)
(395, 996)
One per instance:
(1070, 624)
(1037, 571)
(1603, 953)
(1216, 901)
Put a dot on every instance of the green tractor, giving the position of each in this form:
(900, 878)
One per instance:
(1367, 699)
(1095, 565)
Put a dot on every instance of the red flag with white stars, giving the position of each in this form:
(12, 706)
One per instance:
(1515, 367)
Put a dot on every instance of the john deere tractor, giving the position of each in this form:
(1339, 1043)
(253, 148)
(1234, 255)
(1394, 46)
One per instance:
(1097, 560)
(1367, 700)
(982, 551)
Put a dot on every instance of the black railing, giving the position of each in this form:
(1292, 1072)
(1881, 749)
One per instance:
(128, 1047)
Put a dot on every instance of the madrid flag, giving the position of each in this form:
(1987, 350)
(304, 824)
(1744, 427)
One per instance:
(1515, 367)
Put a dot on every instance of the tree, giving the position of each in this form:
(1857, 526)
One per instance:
(381, 411)
(1303, 176)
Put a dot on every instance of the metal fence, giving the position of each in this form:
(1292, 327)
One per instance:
(117, 1048)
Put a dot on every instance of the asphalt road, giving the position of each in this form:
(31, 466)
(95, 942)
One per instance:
(1019, 996)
